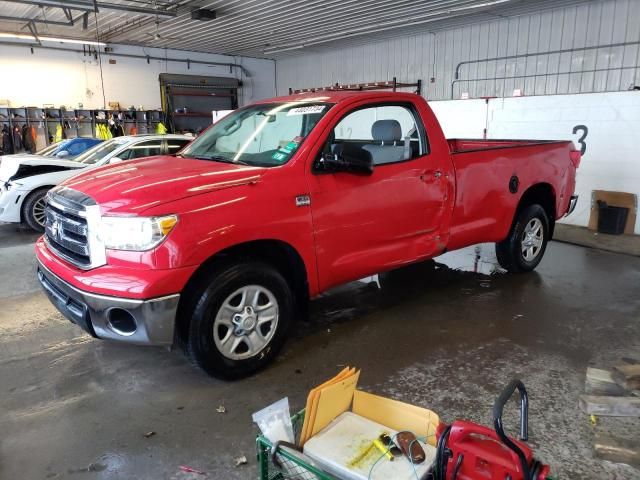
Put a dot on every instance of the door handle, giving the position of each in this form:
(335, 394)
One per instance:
(437, 174)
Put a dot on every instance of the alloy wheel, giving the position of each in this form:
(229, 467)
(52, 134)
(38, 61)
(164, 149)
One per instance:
(246, 322)
(532, 239)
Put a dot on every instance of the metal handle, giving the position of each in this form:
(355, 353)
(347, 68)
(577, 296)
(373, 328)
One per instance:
(498, 407)
(274, 451)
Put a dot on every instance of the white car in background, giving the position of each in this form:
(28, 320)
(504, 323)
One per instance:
(25, 179)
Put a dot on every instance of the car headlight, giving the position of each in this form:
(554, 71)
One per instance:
(135, 233)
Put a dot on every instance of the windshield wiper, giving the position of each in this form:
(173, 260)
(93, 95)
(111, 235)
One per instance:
(217, 158)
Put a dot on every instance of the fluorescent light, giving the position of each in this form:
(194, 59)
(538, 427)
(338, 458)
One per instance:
(21, 36)
(44, 38)
(72, 40)
(283, 49)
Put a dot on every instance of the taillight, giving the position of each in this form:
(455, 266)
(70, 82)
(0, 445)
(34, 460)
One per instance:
(575, 157)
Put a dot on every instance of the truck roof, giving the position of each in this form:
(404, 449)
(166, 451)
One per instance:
(336, 96)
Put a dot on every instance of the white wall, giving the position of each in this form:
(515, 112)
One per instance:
(435, 54)
(68, 78)
(610, 161)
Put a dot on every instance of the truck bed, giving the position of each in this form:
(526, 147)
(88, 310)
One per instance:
(485, 169)
(461, 145)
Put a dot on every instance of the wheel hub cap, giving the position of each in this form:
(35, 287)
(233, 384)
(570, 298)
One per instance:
(244, 322)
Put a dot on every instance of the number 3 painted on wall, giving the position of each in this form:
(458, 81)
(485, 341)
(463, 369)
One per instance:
(581, 140)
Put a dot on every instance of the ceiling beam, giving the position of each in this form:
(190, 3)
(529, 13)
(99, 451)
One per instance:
(35, 20)
(68, 14)
(34, 31)
(89, 7)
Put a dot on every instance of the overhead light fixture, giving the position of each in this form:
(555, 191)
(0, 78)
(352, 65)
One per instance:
(203, 14)
(24, 36)
(283, 49)
(21, 36)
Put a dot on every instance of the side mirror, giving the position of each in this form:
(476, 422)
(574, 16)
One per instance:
(349, 160)
(62, 154)
(115, 160)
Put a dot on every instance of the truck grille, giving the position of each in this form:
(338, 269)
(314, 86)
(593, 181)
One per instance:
(67, 227)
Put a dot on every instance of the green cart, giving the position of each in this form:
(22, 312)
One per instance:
(285, 463)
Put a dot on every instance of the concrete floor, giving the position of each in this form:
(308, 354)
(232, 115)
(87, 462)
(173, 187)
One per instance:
(629, 244)
(446, 336)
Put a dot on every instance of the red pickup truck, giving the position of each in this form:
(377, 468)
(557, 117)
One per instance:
(219, 249)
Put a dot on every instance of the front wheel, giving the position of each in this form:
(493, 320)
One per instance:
(524, 248)
(240, 320)
(33, 210)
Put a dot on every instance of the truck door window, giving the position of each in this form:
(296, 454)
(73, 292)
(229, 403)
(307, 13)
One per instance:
(391, 133)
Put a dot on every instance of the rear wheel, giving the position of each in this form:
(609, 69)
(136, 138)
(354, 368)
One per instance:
(524, 248)
(33, 210)
(239, 320)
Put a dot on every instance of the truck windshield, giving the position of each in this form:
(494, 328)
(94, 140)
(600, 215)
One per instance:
(265, 135)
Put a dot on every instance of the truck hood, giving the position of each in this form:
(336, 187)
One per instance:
(14, 167)
(131, 187)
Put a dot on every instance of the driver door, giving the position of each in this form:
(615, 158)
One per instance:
(365, 224)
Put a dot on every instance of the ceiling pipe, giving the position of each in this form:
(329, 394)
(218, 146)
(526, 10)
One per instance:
(188, 61)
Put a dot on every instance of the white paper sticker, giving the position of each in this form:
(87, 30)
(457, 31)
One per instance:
(306, 110)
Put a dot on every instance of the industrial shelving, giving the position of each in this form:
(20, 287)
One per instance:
(76, 123)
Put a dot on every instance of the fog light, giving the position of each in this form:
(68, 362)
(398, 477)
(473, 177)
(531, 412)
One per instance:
(121, 321)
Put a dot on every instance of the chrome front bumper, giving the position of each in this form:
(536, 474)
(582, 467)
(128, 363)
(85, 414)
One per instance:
(572, 205)
(146, 322)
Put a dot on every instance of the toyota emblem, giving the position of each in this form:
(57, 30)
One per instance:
(55, 227)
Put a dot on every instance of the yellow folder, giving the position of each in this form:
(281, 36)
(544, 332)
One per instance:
(333, 401)
(312, 403)
(397, 415)
(309, 410)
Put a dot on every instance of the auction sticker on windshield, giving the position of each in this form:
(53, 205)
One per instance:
(310, 109)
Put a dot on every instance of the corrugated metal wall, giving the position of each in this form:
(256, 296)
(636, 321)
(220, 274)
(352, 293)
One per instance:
(436, 55)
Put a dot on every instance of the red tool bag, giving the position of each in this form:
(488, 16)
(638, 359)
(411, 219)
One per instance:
(468, 451)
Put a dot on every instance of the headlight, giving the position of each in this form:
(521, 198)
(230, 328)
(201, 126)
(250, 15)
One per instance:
(135, 233)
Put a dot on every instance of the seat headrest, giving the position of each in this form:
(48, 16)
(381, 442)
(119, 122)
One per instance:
(386, 131)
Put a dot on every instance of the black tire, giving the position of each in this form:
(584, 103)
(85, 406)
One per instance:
(33, 202)
(207, 303)
(510, 252)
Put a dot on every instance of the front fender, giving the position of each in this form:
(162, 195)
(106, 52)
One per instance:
(212, 222)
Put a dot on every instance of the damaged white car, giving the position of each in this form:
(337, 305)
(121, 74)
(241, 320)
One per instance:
(25, 179)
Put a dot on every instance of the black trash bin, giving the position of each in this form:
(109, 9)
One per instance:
(611, 220)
